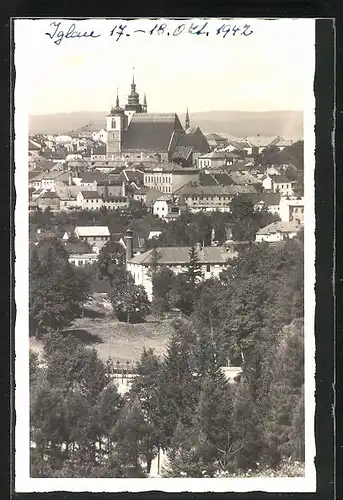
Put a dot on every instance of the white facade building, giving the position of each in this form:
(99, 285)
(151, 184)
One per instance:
(83, 259)
(292, 209)
(278, 231)
(213, 261)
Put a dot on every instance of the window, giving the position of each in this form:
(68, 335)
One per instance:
(208, 268)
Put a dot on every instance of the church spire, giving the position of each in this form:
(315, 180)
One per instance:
(187, 121)
(145, 104)
(133, 76)
(117, 100)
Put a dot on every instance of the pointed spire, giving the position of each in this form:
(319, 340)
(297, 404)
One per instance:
(145, 104)
(187, 120)
(133, 76)
(117, 100)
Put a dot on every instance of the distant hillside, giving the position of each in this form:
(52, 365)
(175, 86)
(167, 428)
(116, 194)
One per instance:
(229, 123)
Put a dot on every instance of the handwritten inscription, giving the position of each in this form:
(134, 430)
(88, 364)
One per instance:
(57, 33)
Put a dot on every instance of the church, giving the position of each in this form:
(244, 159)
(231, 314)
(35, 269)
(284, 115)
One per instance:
(134, 133)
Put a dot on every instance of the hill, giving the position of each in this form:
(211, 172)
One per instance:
(229, 123)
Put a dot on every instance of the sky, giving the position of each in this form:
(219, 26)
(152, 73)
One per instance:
(264, 71)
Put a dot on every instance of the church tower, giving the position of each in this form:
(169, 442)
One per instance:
(187, 121)
(133, 103)
(116, 124)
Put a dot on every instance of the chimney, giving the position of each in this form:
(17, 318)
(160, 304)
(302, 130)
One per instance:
(70, 179)
(129, 244)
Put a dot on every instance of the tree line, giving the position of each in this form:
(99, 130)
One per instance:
(252, 317)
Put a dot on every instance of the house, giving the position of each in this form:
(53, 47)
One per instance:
(46, 179)
(211, 198)
(169, 177)
(216, 141)
(83, 259)
(139, 194)
(278, 184)
(168, 207)
(116, 202)
(259, 142)
(240, 147)
(216, 159)
(89, 200)
(278, 231)
(48, 199)
(101, 135)
(269, 201)
(292, 209)
(213, 261)
(98, 152)
(95, 236)
(244, 178)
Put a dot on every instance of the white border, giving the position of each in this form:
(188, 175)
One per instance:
(23, 483)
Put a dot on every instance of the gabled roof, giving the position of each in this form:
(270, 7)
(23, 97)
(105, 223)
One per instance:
(180, 255)
(243, 178)
(278, 179)
(48, 195)
(280, 227)
(270, 199)
(182, 152)
(92, 230)
(196, 190)
(135, 175)
(90, 195)
(215, 137)
(197, 140)
(150, 131)
(151, 195)
(92, 176)
(165, 197)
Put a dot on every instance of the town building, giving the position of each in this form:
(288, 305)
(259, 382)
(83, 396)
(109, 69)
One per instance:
(278, 231)
(46, 179)
(216, 141)
(95, 236)
(213, 261)
(259, 143)
(83, 259)
(169, 207)
(169, 177)
(278, 184)
(292, 209)
(216, 159)
(211, 198)
(48, 199)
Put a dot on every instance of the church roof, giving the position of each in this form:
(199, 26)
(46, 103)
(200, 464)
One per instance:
(152, 131)
(197, 140)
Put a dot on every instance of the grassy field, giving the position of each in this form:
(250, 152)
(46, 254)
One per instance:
(120, 341)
